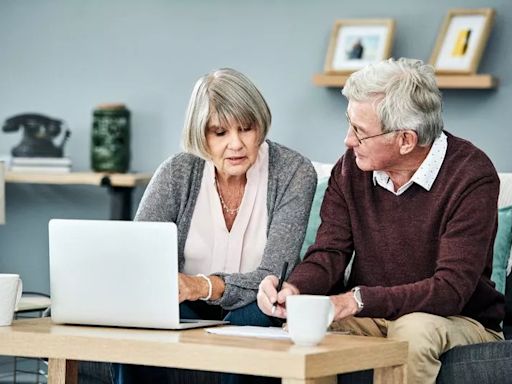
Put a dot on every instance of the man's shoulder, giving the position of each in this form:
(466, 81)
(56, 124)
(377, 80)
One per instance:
(466, 167)
(462, 154)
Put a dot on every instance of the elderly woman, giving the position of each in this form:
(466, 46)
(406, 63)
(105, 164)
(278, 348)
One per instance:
(241, 203)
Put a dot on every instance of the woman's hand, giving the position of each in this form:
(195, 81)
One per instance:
(192, 288)
(271, 302)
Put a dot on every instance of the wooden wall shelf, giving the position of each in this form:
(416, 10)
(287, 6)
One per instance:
(84, 178)
(481, 81)
(120, 185)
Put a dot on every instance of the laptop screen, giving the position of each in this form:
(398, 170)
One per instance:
(116, 273)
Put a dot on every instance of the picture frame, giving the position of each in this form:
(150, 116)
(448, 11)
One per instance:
(462, 40)
(354, 43)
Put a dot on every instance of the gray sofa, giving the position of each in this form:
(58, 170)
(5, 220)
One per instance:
(487, 363)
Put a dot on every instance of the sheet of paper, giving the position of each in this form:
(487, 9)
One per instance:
(250, 331)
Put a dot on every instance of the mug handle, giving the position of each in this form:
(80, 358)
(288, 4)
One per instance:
(330, 318)
(18, 294)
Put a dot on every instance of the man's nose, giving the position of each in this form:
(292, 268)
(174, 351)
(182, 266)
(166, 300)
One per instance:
(350, 139)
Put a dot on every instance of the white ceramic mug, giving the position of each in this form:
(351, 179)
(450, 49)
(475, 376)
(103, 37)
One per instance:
(10, 295)
(308, 317)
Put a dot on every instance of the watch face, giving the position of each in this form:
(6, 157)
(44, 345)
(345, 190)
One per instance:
(357, 297)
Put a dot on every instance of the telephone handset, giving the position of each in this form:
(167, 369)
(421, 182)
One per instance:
(38, 133)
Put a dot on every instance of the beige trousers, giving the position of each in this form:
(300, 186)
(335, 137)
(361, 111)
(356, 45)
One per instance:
(429, 336)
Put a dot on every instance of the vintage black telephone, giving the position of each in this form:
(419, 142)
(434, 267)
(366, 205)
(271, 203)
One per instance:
(38, 133)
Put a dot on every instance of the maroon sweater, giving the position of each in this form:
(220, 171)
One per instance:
(422, 251)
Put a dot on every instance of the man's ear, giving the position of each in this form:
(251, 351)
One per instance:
(407, 141)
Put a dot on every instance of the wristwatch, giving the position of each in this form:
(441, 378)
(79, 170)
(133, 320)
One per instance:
(356, 291)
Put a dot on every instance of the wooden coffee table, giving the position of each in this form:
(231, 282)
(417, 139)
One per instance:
(64, 345)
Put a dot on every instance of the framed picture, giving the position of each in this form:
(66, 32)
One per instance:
(355, 43)
(462, 40)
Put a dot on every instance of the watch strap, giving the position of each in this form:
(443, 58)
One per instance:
(356, 292)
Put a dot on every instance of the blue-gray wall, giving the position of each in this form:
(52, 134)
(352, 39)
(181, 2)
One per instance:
(62, 58)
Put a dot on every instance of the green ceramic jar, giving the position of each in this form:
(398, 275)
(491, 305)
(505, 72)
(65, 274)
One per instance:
(110, 139)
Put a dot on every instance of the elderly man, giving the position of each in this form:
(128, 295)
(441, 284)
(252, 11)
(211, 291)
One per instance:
(417, 207)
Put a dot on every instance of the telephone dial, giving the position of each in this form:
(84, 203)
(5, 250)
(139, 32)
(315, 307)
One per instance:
(38, 134)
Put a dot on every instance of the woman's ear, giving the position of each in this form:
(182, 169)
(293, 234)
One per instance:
(407, 141)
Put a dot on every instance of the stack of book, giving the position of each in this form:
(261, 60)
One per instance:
(40, 164)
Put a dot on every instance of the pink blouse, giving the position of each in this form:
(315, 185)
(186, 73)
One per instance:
(210, 247)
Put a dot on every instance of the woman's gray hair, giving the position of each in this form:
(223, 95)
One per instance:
(405, 94)
(230, 95)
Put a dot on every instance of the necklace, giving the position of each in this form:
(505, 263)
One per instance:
(229, 211)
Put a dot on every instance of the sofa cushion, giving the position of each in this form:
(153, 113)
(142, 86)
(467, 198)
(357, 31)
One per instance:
(314, 215)
(486, 363)
(502, 246)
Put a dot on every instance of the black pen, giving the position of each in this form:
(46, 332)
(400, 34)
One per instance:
(281, 281)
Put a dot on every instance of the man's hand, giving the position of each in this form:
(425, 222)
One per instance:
(191, 287)
(344, 305)
(268, 296)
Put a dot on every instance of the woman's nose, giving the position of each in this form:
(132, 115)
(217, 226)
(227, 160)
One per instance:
(235, 141)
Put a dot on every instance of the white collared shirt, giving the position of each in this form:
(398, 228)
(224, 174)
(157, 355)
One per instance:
(425, 175)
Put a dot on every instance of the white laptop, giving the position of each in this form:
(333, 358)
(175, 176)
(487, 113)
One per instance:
(116, 273)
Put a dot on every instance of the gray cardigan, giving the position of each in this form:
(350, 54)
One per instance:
(172, 194)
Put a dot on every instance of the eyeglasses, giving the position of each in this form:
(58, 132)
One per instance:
(356, 134)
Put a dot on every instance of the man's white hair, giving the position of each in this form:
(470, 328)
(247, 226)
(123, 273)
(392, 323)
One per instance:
(405, 94)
